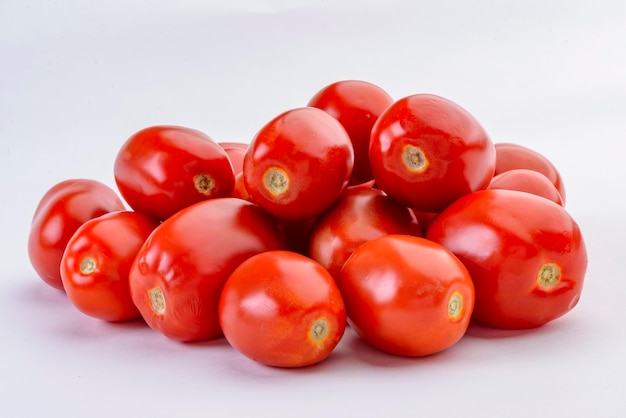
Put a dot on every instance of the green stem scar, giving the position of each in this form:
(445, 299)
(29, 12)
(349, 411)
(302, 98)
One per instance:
(276, 181)
(548, 276)
(157, 300)
(204, 184)
(319, 330)
(87, 265)
(414, 158)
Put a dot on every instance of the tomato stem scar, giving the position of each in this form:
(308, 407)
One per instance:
(414, 158)
(276, 181)
(204, 184)
(455, 305)
(319, 330)
(157, 300)
(548, 276)
(87, 265)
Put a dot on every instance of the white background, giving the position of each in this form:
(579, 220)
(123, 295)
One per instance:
(77, 78)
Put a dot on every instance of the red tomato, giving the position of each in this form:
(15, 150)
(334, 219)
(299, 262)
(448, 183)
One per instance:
(511, 156)
(62, 209)
(282, 309)
(356, 105)
(529, 181)
(240, 188)
(163, 169)
(96, 262)
(426, 151)
(298, 164)
(360, 215)
(406, 295)
(178, 274)
(526, 255)
(236, 151)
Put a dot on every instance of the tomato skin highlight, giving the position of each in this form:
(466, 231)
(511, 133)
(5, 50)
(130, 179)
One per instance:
(60, 212)
(406, 295)
(97, 260)
(506, 239)
(426, 151)
(178, 274)
(162, 169)
(282, 309)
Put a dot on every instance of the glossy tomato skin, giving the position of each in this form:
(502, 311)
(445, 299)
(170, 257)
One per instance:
(282, 309)
(97, 260)
(235, 151)
(178, 273)
(406, 295)
(526, 180)
(426, 151)
(526, 255)
(62, 209)
(360, 215)
(511, 156)
(298, 164)
(356, 104)
(163, 169)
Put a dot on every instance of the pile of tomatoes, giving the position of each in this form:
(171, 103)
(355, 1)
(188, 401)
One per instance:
(400, 218)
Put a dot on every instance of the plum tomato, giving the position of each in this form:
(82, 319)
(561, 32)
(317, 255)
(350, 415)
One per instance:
(406, 295)
(525, 253)
(356, 104)
(61, 210)
(426, 151)
(360, 215)
(526, 180)
(282, 309)
(178, 273)
(298, 164)
(235, 151)
(510, 156)
(97, 260)
(163, 169)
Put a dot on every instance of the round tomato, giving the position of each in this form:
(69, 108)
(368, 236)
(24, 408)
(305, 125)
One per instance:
(406, 295)
(235, 151)
(360, 215)
(282, 309)
(62, 209)
(97, 260)
(163, 169)
(526, 255)
(529, 181)
(356, 105)
(298, 164)
(178, 273)
(511, 156)
(426, 151)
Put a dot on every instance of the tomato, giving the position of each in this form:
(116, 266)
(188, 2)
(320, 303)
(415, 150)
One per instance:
(235, 151)
(356, 105)
(529, 181)
(240, 188)
(178, 273)
(406, 295)
(526, 255)
(61, 210)
(360, 215)
(298, 164)
(426, 151)
(282, 309)
(510, 156)
(97, 260)
(163, 169)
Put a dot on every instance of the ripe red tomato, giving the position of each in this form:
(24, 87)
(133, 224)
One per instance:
(298, 164)
(62, 209)
(356, 105)
(282, 309)
(406, 295)
(97, 260)
(163, 169)
(426, 151)
(360, 215)
(511, 156)
(529, 181)
(235, 151)
(526, 255)
(178, 273)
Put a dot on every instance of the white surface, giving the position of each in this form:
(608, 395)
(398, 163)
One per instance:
(77, 78)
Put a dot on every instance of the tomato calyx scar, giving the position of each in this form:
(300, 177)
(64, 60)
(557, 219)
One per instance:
(319, 330)
(414, 158)
(157, 300)
(87, 265)
(548, 276)
(455, 306)
(204, 184)
(276, 181)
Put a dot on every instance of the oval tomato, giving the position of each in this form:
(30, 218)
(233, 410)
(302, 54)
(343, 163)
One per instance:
(97, 260)
(178, 273)
(406, 295)
(282, 309)
(298, 164)
(235, 151)
(356, 105)
(426, 151)
(529, 181)
(360, 215)
(163, 169)
(62, 209)
(526, 255)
